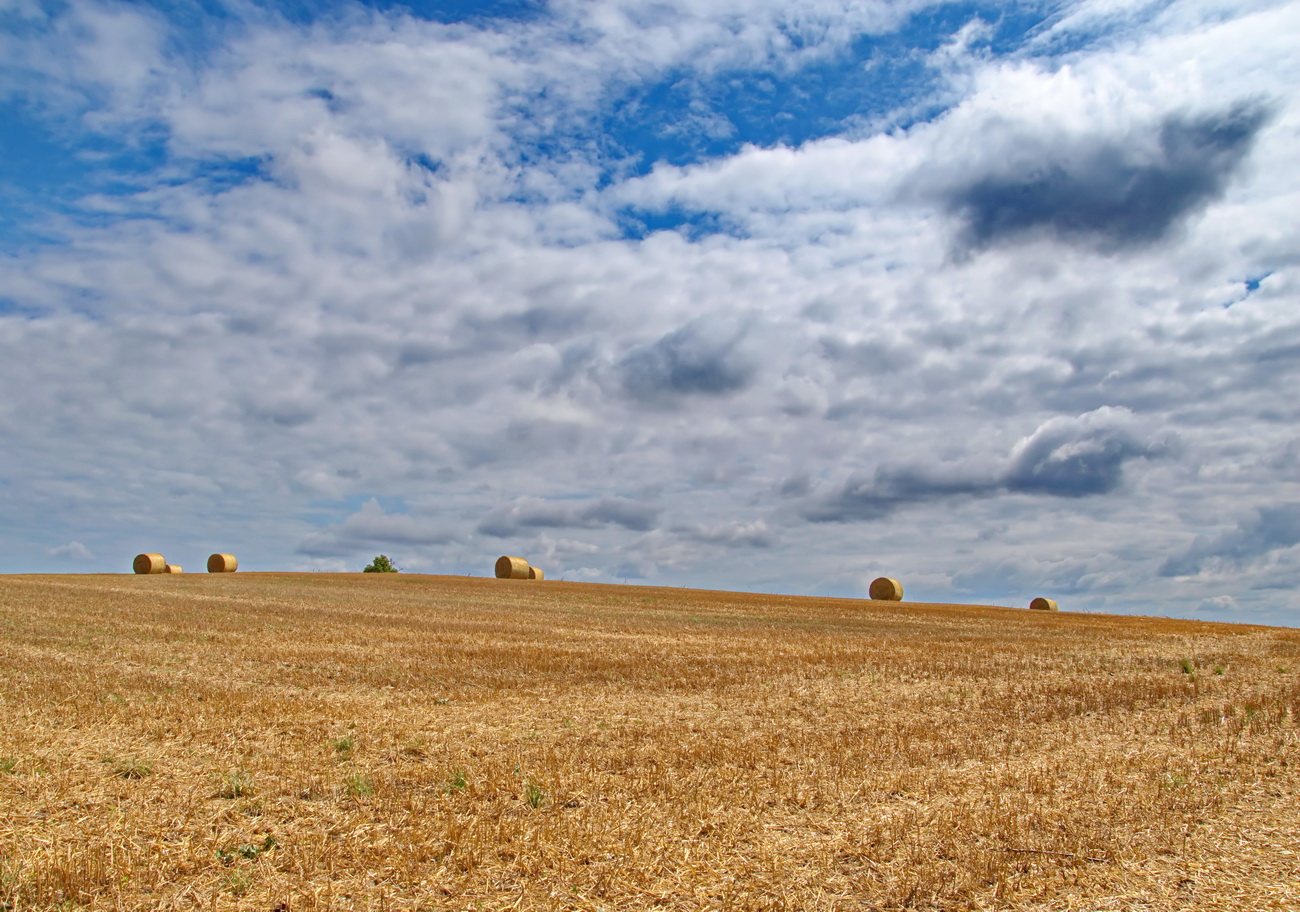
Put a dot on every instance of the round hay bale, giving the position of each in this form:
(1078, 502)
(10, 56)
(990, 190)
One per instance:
(1043, 604)
(174, 568)
(222, 563)
(534, 573)
(149, 563)
(512, 567)
(886, 589)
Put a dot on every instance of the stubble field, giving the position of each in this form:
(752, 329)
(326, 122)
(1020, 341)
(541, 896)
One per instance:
(302, 742)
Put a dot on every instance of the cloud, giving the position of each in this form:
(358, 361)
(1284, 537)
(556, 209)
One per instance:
(526, 515)
(1068, 457)
(738, 534)
(1269, 530)
(1218, 605)
(372, 527)
(73, 550)
(344, 256)
(865, 498)
(1078, 457)
(97, 60)
(1111, 193)
(877, 356)
(701, 358)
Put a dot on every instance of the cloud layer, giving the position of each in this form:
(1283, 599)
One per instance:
(735, 295)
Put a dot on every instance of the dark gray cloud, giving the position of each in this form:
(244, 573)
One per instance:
(797, 485)
(1270, 529)
(1076, 457)
(701, 357)
(874, 497)
(1065, 457)
(528, 514)
(281, 410)
(874, 357)
(1113, 194)
(417, 353)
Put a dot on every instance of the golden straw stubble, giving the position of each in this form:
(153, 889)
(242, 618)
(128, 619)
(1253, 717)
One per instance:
(614, 742)
(222, 563)
(886, 589)
(1043, 604)
(535, 573)
(511, 567)
(149, 563)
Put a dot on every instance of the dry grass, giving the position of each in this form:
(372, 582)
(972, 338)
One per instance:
(266, 741)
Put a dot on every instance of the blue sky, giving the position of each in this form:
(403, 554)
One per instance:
(1000, 300)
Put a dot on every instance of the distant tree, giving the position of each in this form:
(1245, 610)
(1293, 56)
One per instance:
(380, 564)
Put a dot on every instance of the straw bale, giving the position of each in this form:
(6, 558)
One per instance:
(222, 563)
(512, 567)
(535, 573)
(174, 568)
(1043, 604)
(149, 563)
(886, 589)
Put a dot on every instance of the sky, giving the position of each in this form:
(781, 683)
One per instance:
(1000, 300)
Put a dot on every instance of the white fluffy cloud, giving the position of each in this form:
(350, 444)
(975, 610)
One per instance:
(73, 551)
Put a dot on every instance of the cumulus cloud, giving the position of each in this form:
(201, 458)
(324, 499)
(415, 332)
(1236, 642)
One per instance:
(1113, 193)
(73, 550)
(1218, 605)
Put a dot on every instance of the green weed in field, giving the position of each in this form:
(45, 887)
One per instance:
(359, 785)
(248, 851)
(235, 784)
(457, 782)
(130, 767)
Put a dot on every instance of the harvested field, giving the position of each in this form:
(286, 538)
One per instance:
(399, 742)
